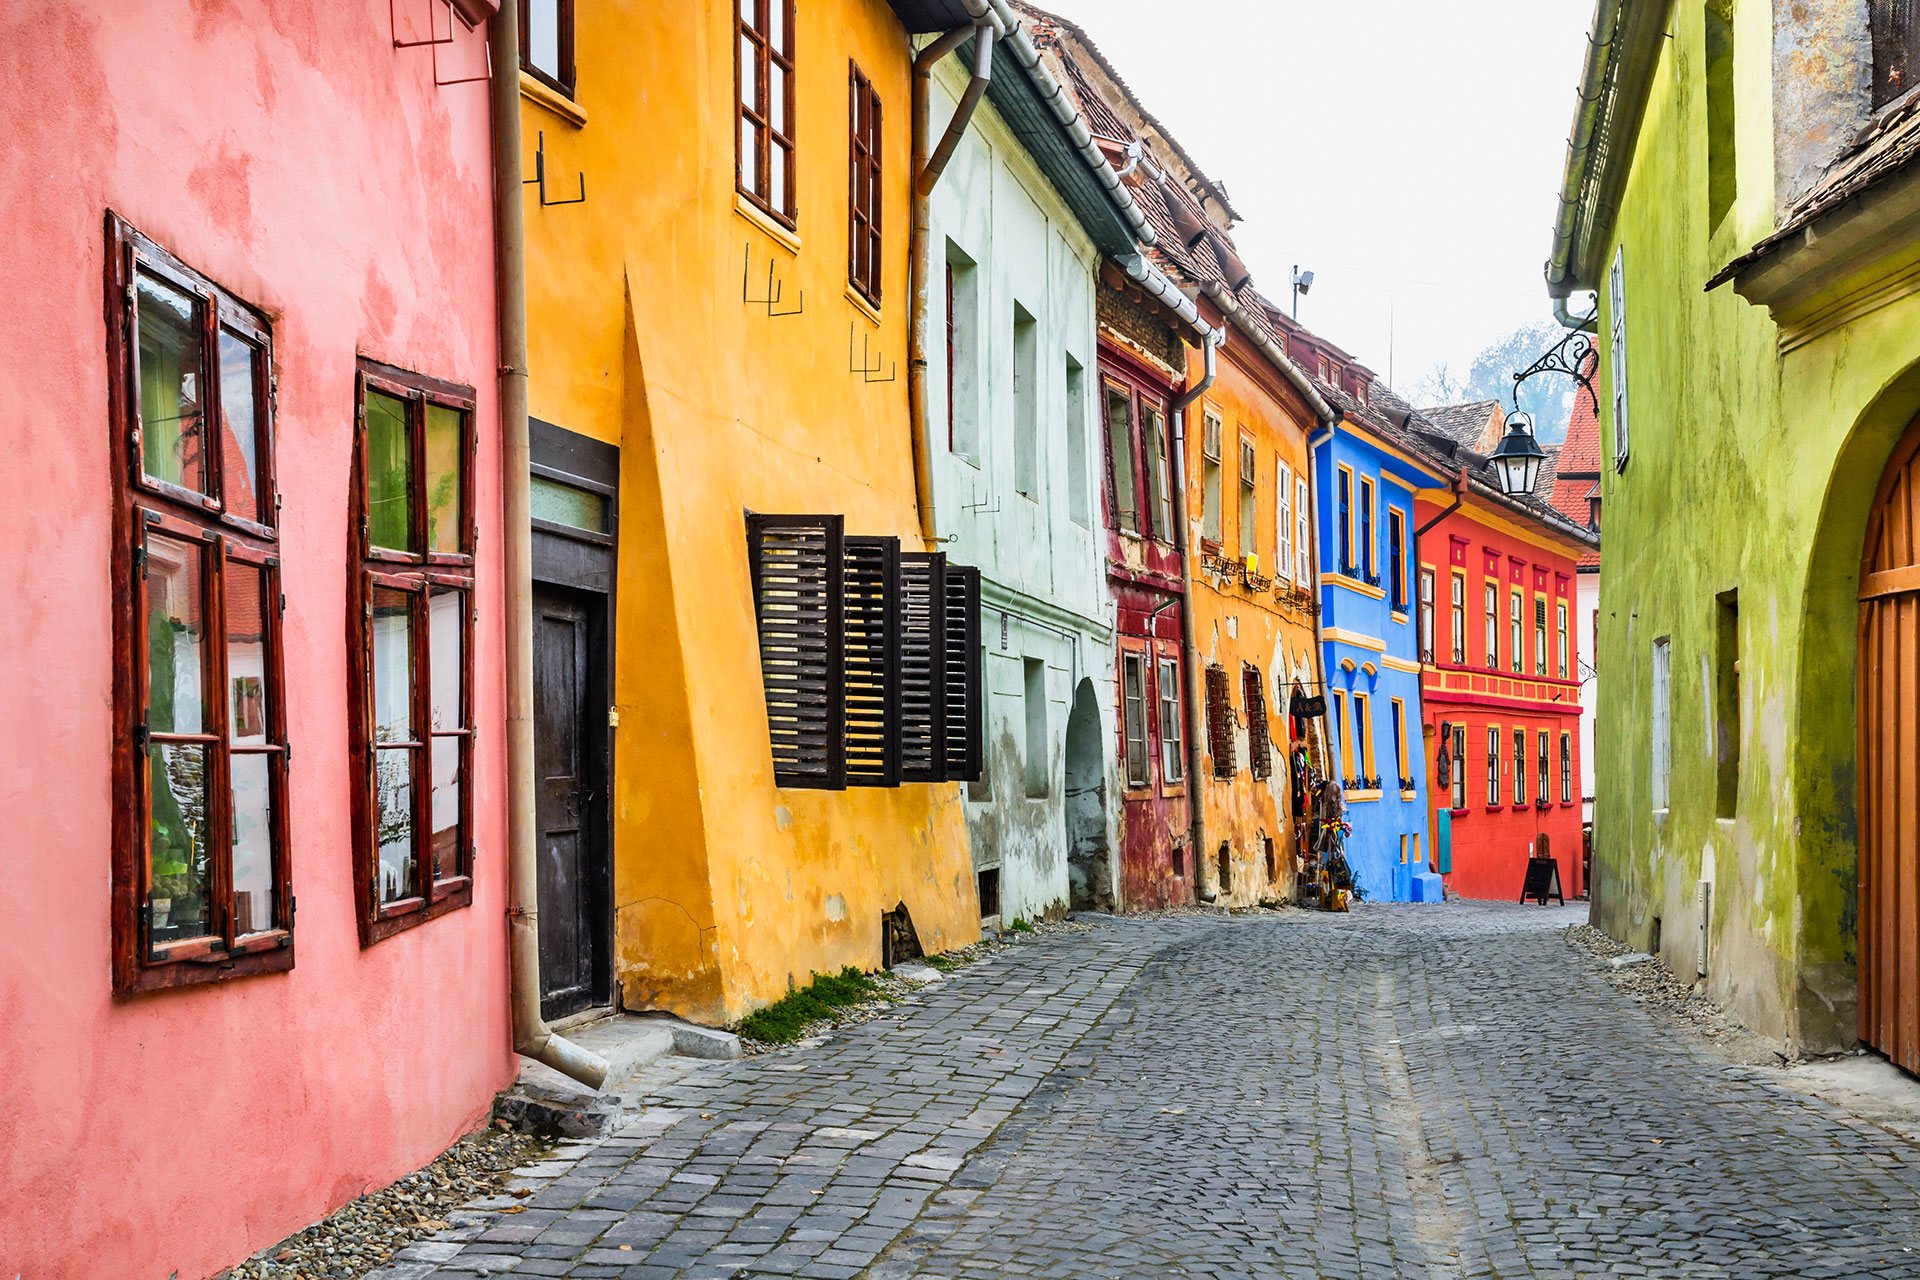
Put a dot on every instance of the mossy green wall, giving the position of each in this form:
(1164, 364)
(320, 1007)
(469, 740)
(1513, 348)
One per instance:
(1749, 472)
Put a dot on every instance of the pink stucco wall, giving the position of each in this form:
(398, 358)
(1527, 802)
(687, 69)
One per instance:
(287, 150)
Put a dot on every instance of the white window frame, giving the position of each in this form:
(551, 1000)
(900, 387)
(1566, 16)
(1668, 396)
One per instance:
(1303, 533)
(1661, 753)
(1283, 519)
(1617, 351)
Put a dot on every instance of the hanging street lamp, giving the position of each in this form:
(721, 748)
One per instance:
(1517, 460)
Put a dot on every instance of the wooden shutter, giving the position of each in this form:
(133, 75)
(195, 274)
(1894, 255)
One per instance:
(1259, 739)
(965, 699)
(799, 600)
(1219, 722)
(873, 661)
(923, 664)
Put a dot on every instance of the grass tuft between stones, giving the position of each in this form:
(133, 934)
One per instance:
(787, 1019)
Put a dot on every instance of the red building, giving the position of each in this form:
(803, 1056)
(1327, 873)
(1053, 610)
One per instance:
(1500, 682)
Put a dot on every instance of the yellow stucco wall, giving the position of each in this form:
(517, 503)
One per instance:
(727, 889)
(1235, 625)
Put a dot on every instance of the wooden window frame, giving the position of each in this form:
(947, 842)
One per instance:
(1343, 735)
(1363, 737)
(1566, 767)
(1303, 533)
(1127, 520)
(1517, 630)
(1220, 722)
(1253, 695)
(865, 206)
(1543, 791)
(1519, 787)
(1562, 660)
(759, 114)
(1344, 492)
(417, 573)
(1133, 692)
(1156, 446)
(1402, 776)
(1539, 635)
(1458, 617)
(1429, 642)
(1459, 790)
(1213, 501)
(1368, 552)
(144, 505)
(567, 81)
(1397, 559)
(1494, 749)
(1247, 514)
(1169, 690)
(1493, 624)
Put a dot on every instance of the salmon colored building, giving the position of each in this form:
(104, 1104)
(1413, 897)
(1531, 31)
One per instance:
(258, 958)
(1500, 657)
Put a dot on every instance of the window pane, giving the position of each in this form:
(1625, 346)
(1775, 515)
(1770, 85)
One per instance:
(176, 637)
(445, 612)
(398, 875)
(777, 102)
(446, 807)
(172, 356)
(777, 24)
(563, 504)
(777, 161)
(389, 468)
(1120, 458)
(543, 36)
(252, 843)
(240, 474)
(247, 604)
(446, 461)
(177, 906)
(749, 77)
(392, 665)
(1156, 433)
(749, 157)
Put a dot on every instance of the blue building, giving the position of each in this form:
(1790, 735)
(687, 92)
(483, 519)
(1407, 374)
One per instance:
(1366, 469)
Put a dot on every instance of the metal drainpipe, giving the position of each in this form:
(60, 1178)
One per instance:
(532, 1036)
(1196, 787)
(1319, 624)
(926, 176)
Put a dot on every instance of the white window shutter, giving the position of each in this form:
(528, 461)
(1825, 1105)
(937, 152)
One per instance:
(1617, 343)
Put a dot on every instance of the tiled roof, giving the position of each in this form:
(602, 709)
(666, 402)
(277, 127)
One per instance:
(1549, 469)
(1580, 450)
(1470, 423)
(1887, 146)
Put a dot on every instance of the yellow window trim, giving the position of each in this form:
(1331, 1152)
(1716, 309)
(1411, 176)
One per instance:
(545, 95)
(749, 211)
(1354, 585)
(1354, 638)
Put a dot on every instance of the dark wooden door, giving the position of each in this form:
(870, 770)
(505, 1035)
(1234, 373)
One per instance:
(570, 761)
(1889, 717)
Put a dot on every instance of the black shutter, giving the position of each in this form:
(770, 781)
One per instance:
(873, 661)
(799, 601)
(923, 665)
(965, 728)
(1259, 738)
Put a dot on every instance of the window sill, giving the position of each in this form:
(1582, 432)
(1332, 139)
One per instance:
(199, 973)
(1460, 812)
(1362, 797)
(864, 307)
(382, 928)
(1398, 616)
(1409, 795)
(542, 94)
(1496, 808)
(765, 223)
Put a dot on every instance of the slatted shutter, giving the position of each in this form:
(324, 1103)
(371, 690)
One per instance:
(965, 700)
(1259, 740)
(873, 661)
(1219, 722)
(799, 600)
(923, 666)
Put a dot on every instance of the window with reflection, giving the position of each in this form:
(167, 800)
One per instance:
(200, 886)
(763, 71)
(546, 42)
(412, 667)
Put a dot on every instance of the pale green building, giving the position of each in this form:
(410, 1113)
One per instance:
(1741, 195)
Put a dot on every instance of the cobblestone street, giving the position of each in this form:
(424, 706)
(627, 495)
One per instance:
(1403, 1092)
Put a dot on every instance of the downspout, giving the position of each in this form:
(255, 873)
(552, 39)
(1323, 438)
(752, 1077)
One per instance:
(1594, 76)
(1319, 626)
(1583, 324)
(927, 169)
(1196, 790)
(531, 1035)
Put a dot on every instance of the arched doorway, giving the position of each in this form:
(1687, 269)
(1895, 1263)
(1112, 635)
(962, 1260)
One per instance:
(1889, 772)
(1089, 851)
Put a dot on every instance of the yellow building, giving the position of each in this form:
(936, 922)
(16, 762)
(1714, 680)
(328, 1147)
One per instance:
(715, 330)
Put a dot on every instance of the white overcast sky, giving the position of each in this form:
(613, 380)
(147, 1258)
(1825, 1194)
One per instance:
(1407, 152)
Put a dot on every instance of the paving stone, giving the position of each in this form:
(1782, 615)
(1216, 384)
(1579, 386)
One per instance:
(1410, 1093)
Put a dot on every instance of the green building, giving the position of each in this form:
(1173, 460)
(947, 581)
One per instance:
(1741, 197)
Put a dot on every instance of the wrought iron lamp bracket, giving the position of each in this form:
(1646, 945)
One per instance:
(1567, 356)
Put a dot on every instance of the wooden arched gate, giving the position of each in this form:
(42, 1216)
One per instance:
(1889, 714)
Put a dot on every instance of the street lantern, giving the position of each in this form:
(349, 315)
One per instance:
(1517, 461)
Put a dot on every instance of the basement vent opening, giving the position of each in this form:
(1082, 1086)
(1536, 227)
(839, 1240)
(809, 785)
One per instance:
(1653, 938)
(1273, 860)
(987, 882)
(1179, 861)
(1226, 867)
(899, 940)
